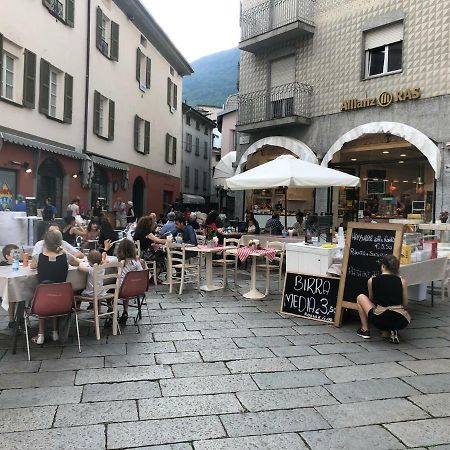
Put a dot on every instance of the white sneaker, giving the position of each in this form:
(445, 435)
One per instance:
(39, 339)
(55, 336)
(394, 337)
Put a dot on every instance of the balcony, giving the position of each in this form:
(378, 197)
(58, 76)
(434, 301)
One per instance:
(275, 21)
(281, 106)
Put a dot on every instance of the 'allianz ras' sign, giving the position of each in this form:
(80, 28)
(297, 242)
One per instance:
(384, 99)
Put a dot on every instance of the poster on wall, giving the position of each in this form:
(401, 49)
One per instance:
(7, 189)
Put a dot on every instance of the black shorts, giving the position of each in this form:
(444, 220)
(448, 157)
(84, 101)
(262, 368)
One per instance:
(389, 320)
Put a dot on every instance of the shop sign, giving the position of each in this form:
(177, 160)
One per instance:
(385, 99)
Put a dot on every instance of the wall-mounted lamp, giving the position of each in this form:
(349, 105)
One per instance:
(77, 174)
(23, 165)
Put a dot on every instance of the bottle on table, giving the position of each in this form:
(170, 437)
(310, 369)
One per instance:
(15, 262)
(25, 259)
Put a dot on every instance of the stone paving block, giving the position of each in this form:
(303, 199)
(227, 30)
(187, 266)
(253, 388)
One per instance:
(204, 344)
(177, 335)
(131, 390)
(260, 365)
(231, 333)
(426, 343)
(430, 384)
(377, 357)
(285, 398)
(16, 398)
(95, 413)
(262, 341)
(360, 391)
(370, 413)
(270, 422)
(29, 380)
(313, 339)
(111, 375)
(163, 431)
(428, 322)
(130, 338)
(236, 308)
(155, 347)
(287, 441)
(181, 446)
(146, 359)
(351, 336)
(207, 385)
(279, 331)
(374, 437)
(295, 379)
(426, 433)
(178, 358)
(429, 366)
(259, 315)
(76, 438)
(429, 353)
(294, 350)
(320, 361)
(19, 366)
(234, 354)
(199, 369)
(436, 405)
(94, 350)
(271, 323)
(189, 406)
(37, 354)
(171, 319)
(328, 349)
(367, 372)
(58, 365)
(318, 329)
(26, 419)
(217, 318)
(423, 333)
(162, 327)
(201, 326)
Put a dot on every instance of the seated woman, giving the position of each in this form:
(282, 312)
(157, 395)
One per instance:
(107, 232)
(251, 224)
(384, 308)
(212, 226)
(92, 231)
(70, 231)
(52, 267)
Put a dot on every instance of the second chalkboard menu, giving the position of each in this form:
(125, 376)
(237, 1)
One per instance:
(366, 245)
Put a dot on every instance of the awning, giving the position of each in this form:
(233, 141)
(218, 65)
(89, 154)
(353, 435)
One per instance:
(105, 162)
(190, 199)
(32, 143)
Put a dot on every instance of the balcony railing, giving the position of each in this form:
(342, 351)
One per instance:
(274, 14)
(281, 102)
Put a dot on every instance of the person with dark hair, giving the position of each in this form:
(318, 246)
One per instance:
(384, 307)
(8, 254)
(186, 231)
(274, 226)
(49, 211)
(212, 226)
(73, 209)
(70, 231)
(107, 232)
(251, 224)
(97, 209)
(92, 231)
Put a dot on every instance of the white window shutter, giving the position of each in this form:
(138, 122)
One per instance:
(282, 71)
(384, 36)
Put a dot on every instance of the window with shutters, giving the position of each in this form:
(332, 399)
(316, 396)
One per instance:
(172, 95)
(188, 142)
(196, 179)
(383, 50)
(197, 146)
(171, 149)
(197, 125)
(205, 180)
(53, 97)
(206, 132)
(143, 70)
(107, 36)
(104, 116)
(188, 120)
(8, 76)
(63, 10)
(187, 181)
(205, 150)
(141, 135)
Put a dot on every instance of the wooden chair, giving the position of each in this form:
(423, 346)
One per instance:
(106, 291)
(185, 272)
(49, 301)
(230, 258)
(276, 265)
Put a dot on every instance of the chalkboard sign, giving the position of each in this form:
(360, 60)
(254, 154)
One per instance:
(310, 296)
(365, 247)
(31, 206)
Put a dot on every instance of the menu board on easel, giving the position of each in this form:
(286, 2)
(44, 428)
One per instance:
(31, 206)
(365, 247)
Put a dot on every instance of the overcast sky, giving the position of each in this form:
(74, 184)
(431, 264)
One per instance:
(198, 27)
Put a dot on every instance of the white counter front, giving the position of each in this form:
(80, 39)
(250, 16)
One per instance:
(308, 259)
(13, 231)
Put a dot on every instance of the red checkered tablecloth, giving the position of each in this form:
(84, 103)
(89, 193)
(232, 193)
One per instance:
(245, 252)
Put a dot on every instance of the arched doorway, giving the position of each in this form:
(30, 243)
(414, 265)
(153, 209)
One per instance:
(99, 186)
(50, 184)
(138, 197)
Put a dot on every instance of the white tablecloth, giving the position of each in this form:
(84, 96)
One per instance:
(424, 271)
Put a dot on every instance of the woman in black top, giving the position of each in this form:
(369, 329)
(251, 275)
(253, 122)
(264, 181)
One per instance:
(107, 233)
(70, 231)
(387, 290)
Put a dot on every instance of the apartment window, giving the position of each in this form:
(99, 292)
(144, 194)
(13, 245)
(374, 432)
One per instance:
(188, 142)
(206, 130)
(218, 157)
(107, 36)
(187, 181)
(143, 70)
(172, 71)
(171, 149)
(63, 10)
(188, 120)
(197, 146)
(205, 178)
(196, 179)
(172, 95)
(205, 150)
(55, 93)
(141, 135)
(8, 76)
(383, 50)
(104, 116)
(197, 125)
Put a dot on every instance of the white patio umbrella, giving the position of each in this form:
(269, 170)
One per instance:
(288, 171)
(224, 169)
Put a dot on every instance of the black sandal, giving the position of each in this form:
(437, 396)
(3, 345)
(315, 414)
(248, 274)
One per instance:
(124, 318)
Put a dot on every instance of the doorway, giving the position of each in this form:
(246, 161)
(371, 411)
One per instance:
(50, 184)
(138, 197)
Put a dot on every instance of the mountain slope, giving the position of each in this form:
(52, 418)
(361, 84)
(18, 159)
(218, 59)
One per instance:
(214, 79)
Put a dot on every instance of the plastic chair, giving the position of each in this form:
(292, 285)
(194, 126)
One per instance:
(49, 301)
(185, 272)
(106, 290)
(231, 245)
(276, 265)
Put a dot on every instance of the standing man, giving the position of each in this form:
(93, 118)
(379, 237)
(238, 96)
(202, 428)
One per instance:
(121, 213)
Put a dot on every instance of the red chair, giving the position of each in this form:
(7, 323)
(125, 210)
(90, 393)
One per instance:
(49, 301)
(134, 286)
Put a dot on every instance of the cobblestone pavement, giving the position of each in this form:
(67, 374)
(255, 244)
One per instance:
(217, 371)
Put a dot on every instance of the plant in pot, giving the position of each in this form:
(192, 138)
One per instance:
(443, 216)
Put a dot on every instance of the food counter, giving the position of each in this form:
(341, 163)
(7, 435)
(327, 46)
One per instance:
(262, 218)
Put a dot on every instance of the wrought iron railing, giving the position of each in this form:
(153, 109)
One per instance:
(289, 100)
(274, 14)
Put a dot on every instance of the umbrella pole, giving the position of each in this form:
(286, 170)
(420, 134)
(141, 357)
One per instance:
(285, 208)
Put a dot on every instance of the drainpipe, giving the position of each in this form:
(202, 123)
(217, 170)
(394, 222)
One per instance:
(86, 91)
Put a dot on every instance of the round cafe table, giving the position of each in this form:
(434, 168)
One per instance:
(253, 293)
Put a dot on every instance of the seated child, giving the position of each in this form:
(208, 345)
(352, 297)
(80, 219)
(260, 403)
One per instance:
(94, 257)
(7, 253)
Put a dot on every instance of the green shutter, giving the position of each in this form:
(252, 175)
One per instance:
(137, 120)
(168, 148)
(169, 91)
(70, 13)
(44, 86)
(147, 138)
(29, 79)
(96, 112)
(1, 63)
(174, 150)
(112, 113)
(114, 54)
(68, 98)
(138, 65)
(98, 38)
(46, 3)
(148, 73)
(175, 95)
